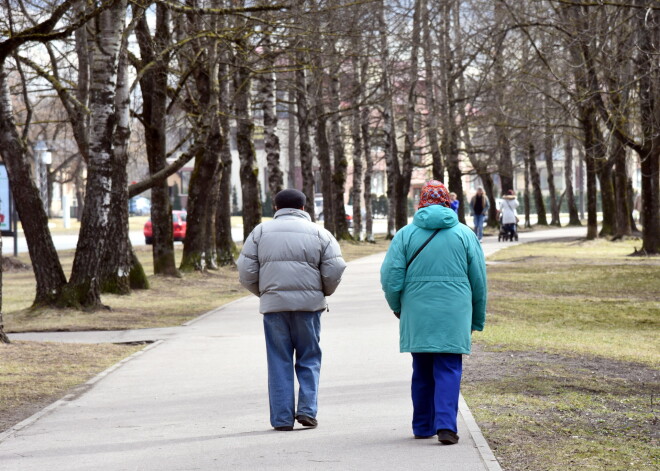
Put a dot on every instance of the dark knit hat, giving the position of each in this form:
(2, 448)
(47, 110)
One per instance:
(290, 198)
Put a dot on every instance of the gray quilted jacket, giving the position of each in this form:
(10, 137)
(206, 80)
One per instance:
(291, 263)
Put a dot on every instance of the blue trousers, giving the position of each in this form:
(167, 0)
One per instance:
(288, 333)
(479, 226)
(436, 383)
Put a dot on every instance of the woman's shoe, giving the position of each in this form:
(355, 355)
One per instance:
(447, 437)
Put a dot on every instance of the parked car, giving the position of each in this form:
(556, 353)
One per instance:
(178, 227)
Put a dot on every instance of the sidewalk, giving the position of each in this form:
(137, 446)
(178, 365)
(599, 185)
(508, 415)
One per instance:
(199, 400)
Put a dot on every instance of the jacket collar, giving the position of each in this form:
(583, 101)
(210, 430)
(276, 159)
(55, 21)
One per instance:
(292, 212)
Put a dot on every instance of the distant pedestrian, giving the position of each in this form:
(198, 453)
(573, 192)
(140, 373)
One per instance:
(292, 264)
(453, 202)
(508, 212)
(479, 205)
(434, 279)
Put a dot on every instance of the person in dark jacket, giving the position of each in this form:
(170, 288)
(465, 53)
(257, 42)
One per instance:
(292, 264)
(479, 206)
(440, 299)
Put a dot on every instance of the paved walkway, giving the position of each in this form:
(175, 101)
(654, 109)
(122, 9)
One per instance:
(198, 401)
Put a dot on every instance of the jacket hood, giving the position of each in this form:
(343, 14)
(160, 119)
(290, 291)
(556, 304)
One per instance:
(435, 217)
(292, 212)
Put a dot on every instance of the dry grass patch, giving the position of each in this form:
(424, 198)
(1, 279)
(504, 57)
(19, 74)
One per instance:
(566, 373)
(169, 301)
(33, 374)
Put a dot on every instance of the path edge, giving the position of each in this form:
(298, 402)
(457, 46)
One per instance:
(486, 454)
(68, 397)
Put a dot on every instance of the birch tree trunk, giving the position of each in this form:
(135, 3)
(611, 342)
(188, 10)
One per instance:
(83, 289)
(356, 136)
(368, 172)
(623, 228)
(526, 196)
(121, 270)
(549, 165)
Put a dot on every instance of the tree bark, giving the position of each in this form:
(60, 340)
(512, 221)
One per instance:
(608, 204)
(369, 168)
(83, 289)
(244, 141)
(549, 165)
(340, 161)
(154, 87)
(224, 242)
(431, 104)
(356, 135)
(45, 262)
(526, 196)
(304, 140)
(3, 336)
(623, 211)
(536, 186)
(574, 217)
(271, 140)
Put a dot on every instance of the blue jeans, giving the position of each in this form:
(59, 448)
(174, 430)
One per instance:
(436, 384)
(479, 225)
(286, 333)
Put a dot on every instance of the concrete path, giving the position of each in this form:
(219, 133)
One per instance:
(198, 401)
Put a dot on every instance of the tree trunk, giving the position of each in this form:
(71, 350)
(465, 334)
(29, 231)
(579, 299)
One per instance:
(623, 210)
(154, 87)
(118, 272)
(431, 105)
(536, 187)
(323, 156)
(45, 262)
(244, 141)
(3, 336)
(389, 129)
(271, 140)
(340, 162)
(574, 217)
(591, 151)
(304, 140)
(526, 196)
(291, 135)
(83, 289)
(356, 136)
(549, 165)
(369, 168)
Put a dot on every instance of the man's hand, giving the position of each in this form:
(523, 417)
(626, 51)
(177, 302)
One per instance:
(398, 315)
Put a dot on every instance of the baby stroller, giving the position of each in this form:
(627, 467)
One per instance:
(508, 232)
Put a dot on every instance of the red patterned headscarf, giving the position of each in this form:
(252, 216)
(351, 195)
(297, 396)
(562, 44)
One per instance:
(434, 192)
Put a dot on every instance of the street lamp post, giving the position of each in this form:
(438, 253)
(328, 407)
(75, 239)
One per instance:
(43, 158)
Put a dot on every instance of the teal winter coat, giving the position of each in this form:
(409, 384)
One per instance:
(442, 295)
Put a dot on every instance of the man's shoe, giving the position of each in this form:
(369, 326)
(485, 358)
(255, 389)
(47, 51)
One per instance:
(447, 437)
(307, 421)
(284, 428)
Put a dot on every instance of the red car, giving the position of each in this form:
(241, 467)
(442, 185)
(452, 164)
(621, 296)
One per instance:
(178, 227)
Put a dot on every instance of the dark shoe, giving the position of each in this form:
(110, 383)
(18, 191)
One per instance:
(421, 437)
(447, 437)
(307, 421)
(284, 428)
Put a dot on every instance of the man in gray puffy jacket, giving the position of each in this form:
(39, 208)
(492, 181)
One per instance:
(292, 264)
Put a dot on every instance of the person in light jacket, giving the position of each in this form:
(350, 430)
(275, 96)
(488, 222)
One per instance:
(292, 264)
(440, 299)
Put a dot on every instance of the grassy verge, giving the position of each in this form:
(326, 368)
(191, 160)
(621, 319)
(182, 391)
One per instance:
(170, 301)
(566, 374)
(33, 374)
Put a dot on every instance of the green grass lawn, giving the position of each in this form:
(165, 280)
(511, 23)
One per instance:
(566, 373)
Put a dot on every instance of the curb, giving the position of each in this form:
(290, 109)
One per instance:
(60, 402)
(486, 454)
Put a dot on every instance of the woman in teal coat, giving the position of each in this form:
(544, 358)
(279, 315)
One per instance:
(440, 299)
